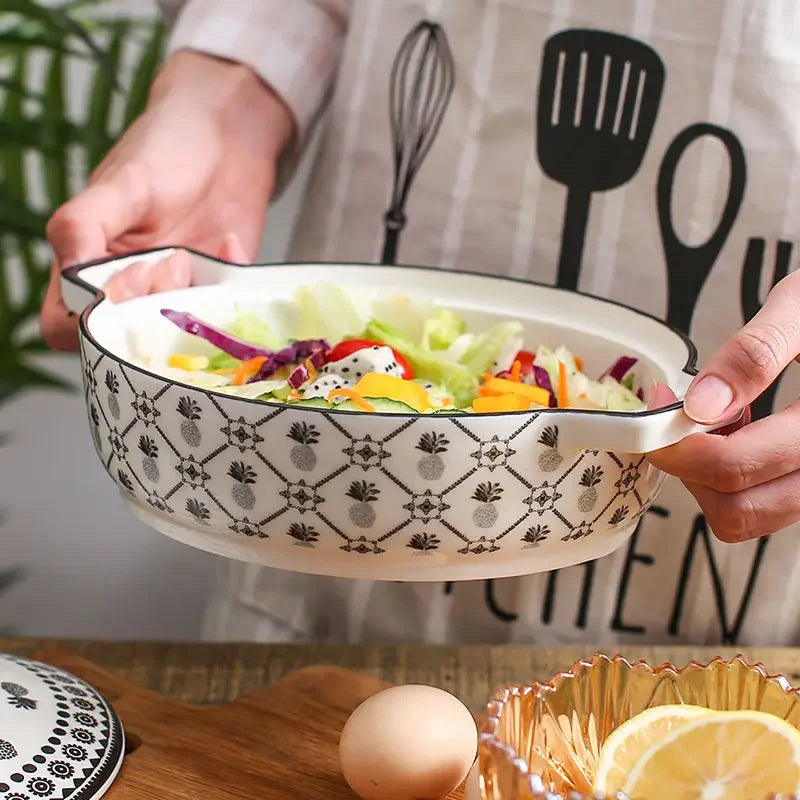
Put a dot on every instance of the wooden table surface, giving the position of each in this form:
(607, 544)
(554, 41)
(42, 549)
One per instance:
(214, 673)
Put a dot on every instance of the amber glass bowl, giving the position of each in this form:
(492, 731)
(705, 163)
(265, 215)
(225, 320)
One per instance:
(542, 740)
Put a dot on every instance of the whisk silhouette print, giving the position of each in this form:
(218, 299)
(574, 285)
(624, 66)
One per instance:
(421, 84)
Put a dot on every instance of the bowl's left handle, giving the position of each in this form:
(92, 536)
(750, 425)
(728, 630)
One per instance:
(81, 284)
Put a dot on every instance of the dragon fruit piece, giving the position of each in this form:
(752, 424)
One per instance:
(369, 359)
(322, 385)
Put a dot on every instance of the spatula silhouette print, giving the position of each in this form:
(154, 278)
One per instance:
(599, 95)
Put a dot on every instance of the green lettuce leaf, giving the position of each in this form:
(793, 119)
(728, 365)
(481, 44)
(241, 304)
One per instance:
(427, 366)
(326, 313)
(442, 329)
(486, 348)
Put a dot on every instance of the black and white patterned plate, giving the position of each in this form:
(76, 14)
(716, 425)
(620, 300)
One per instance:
(59, 738)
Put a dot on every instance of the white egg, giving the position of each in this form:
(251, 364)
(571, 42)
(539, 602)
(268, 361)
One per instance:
(408, 742)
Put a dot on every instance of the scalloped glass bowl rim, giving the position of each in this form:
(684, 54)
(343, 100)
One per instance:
(539, 689)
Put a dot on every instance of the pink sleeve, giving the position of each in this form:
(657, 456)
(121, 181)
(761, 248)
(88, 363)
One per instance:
(293, 45)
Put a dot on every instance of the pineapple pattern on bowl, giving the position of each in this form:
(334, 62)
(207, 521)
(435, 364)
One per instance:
(190, 430)
(549, 459)
(365, 494)
(487, 495)
(149, 451)
(244, 477)
(113, 390)
(256, 482)
(305, 435)
(590, 479)
(431, 466)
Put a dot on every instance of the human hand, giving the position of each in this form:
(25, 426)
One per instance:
(747, 480)
(197, 168)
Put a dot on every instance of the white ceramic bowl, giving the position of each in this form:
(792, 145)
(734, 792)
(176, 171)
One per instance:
(292, 510)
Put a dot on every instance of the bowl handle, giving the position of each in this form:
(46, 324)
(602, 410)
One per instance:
(639, 432)
(82, 284)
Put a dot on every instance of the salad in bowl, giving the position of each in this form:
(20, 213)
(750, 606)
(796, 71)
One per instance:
(404, 358)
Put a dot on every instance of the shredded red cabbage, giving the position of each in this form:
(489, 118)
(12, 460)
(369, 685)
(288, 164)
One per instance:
(233, 346)
(301, 373)
(543, 382)
(314, 350)
(620, 368)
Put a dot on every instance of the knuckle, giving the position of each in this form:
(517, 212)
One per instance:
(735, 519)
(760, 351)
(62, 221)
(729, 475)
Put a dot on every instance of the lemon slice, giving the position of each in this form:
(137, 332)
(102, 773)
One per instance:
(625, 746)
(735, 755)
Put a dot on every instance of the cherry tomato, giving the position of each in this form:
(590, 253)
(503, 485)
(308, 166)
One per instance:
(526, 360)
(350, 346)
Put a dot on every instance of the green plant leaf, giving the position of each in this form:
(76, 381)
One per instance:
(55, 168)
(16, 218)
(44, 127)
(15, 87)
(13, 40)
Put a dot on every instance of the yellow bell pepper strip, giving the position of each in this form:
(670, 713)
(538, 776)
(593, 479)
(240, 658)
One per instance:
(247, 369)
(505, 402)
(188, 362)
(353, 396)
(377, 384)
(516, 369)
(563, 400)
(503, 386)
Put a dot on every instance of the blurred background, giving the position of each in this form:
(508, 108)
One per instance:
(73, 562)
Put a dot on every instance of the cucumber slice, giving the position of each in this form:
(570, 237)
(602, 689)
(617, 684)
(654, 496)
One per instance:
(312, 402)
(382, 405)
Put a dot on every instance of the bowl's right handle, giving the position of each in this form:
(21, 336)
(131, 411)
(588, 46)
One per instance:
(640, 432)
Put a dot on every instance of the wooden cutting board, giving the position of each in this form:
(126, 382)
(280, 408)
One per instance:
(281, 742)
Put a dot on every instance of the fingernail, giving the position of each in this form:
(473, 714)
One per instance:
(708, 399)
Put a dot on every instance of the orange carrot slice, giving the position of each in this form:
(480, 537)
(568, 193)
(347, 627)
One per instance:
(562, 385)
(506, 402)
(504, 386)
(247, 369)
(354, 397)
(516, 369)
